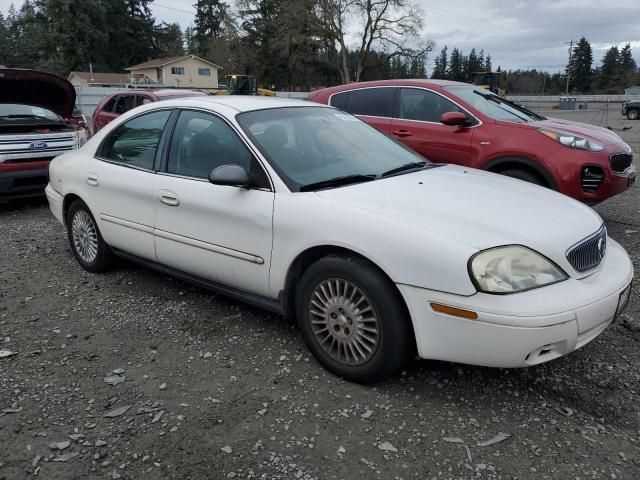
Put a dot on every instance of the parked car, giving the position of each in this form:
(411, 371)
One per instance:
(631, 109)
(309, 212)
(36, 125)
(455, 122)
(113, 105)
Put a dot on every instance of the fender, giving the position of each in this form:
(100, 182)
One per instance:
(525, 162)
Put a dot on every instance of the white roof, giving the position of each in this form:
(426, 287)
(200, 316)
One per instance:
(245, 103)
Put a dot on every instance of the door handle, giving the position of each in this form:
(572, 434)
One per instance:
(169, 198)
(92, 180)
(402, 133)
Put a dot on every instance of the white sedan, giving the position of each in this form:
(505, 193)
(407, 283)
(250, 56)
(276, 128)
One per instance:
(309, 212)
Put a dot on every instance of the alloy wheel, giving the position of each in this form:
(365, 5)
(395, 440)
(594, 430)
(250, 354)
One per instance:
(85, 236)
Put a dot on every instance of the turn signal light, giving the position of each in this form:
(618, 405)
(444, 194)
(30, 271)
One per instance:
(456, 312)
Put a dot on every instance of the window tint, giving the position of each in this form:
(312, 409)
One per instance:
(125, 103)
(202, 142)
(339, 100)
(416, 104)
(110, 104)
(375, 102)
(204, 71)
(136, 141)
(177, 70)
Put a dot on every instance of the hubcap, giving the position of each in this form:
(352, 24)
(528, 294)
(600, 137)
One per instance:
(85, 236)
(344, 321)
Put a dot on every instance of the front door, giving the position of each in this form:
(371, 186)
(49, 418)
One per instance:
(221, 233)
(417, 125)
(121, 178)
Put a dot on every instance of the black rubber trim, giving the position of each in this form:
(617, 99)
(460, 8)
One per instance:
(246, 297)
(524, 162)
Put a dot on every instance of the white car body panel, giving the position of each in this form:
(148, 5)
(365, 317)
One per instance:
(420, 229)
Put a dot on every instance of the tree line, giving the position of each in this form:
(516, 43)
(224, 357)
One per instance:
(288, 44)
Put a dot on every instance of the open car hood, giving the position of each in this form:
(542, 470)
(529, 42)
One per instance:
(30, 87)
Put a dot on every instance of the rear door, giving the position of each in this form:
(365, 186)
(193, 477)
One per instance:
(105, 113)
(417, 125)
(373, 105)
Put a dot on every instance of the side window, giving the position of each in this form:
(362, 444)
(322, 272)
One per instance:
(423, 105)
(144, 100)
(135, 142)
(203, 142)
(125, 103)
(375, 102)
(339, 100)
(108, 107)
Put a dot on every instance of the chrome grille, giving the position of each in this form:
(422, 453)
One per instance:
(35, 146)
(588, 253)
(620, 161)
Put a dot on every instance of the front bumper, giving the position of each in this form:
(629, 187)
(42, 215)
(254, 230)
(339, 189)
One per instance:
(23, 180)
(55, 203)
(522, 329)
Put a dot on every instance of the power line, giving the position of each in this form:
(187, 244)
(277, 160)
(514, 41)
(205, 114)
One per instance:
(192, 12)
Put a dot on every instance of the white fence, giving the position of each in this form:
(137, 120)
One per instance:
(579, 98)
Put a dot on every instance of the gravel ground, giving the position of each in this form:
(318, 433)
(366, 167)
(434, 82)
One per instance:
(203, 387)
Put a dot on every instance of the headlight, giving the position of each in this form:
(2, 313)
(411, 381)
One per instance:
(512, 269)
(572, 141)
(81, 137)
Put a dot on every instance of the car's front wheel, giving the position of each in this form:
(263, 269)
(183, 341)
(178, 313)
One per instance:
(85, 239)
(353, 319)
(633, 114)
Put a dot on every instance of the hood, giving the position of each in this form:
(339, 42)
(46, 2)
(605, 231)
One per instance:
(600, 134)
(475, 208)
(40, 89)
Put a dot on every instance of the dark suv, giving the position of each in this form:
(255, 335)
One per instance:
(631, 109)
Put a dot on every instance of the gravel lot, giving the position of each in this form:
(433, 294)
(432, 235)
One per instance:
(215, 389)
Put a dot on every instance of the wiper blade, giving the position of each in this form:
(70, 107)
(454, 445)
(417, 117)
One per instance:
(515, 106)
(337, 182)
(405, 168)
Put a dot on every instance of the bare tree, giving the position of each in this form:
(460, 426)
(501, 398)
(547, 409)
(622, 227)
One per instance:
(391, 26)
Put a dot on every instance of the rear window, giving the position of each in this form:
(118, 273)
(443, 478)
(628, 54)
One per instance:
(373, 102)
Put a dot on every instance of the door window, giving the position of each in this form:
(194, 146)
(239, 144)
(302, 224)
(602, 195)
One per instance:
(203, 142)
(125, 103)
(339, 100)
(374, 102)
(108, 107)
(423, 105)
(135, 142)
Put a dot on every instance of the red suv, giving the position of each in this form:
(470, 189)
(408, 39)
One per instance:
(453, 122)
(115, 104)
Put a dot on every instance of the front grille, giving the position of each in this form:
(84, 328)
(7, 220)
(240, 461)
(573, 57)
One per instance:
(592, 178)
(588, 253)
(35, 146)
(620, 161)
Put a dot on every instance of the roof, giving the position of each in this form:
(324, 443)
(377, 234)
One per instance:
(164, 92)
(394, 83)
(246, 103)
(110, 78)
(160, 62)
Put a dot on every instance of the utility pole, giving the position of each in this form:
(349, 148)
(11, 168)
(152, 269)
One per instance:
(566, 89)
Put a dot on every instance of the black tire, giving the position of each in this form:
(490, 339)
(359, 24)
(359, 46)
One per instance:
(103, 258)
(395, 343)
(633, 114)
(524, 175)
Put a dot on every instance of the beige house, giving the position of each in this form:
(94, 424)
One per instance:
(188, 71)
(93, 79)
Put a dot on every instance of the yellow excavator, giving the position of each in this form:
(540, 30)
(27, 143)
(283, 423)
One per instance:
(490, 81)
(244, 85)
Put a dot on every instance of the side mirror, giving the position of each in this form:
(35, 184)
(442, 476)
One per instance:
(233, 175)
(454, 119)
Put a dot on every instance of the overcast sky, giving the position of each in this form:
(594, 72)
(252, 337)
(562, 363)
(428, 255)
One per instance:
(517, 33)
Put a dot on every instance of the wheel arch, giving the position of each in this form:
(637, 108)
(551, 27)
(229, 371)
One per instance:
(307, 257)
(500, 164)
(69, 198)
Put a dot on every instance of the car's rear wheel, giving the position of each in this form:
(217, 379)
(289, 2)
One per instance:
(85, 239)
(633, 114)
(524, 175)
(353, 319)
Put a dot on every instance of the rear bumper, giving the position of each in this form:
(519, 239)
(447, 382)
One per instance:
(23, 180)
(523, 329)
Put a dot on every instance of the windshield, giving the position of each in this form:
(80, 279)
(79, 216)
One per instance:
(492, 105)
(20, 111)
(314, 145)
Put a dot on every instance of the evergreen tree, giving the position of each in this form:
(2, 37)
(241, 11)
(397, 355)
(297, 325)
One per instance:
(610, 70)
(579, 68)
(487, 64)
(440, 67)
(170, 40)
(454, 68)
(474, 64)
(210, 22)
